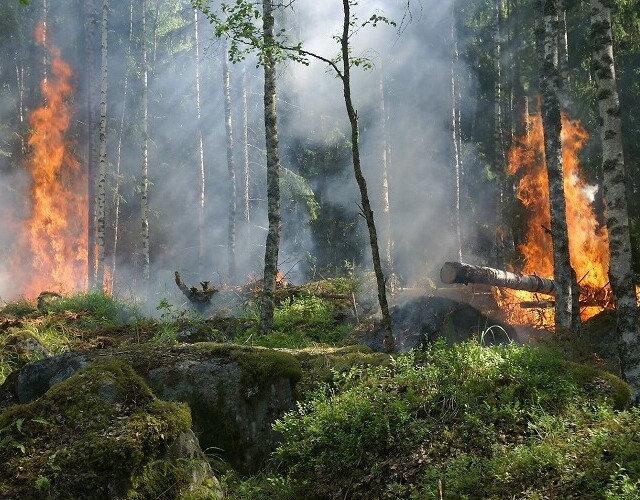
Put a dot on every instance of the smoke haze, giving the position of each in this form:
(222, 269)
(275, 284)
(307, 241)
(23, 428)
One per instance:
(413, 64)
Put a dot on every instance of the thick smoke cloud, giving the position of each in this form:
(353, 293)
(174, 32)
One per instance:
(412, 62)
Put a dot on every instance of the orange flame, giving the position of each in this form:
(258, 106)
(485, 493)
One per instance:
(51, 251)
(588, 242)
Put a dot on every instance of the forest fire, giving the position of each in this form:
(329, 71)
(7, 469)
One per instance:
(50, 251)
(588, 241)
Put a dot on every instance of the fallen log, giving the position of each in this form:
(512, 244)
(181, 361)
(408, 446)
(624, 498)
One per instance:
(458, 272)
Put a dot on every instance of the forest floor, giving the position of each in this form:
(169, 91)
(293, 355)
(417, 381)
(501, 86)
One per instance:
(443, 421)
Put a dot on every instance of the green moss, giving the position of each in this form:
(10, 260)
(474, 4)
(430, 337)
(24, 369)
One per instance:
(601, 384)
(91, 435)
(260, 365)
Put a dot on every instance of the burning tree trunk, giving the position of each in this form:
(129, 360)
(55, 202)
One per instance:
(458, 272)
(620, 271)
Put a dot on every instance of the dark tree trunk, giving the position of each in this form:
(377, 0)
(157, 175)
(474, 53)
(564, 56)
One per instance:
(273, 172)
(367, 212)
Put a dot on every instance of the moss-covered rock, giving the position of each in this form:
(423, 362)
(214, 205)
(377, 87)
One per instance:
(101, 433)
(235, 393)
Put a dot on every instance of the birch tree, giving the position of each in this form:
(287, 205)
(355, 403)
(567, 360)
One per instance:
(102, 147)
(91, 206)
(386, 158)
(144, 183)
(199, 138)
(246, 209)
(563, 274)
(455, 131)
(118, 159)
(231, 168)
(617, 216)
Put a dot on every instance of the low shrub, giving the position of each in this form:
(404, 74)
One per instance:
(473, 421)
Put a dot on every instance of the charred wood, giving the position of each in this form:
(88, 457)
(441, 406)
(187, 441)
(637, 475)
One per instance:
(198, 296)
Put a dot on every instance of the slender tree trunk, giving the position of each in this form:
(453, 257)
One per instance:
(386, 156)
(498, 142)
(563, 274)
(367, 212)
(245, 149)
(454, 133)
(91, 185)
(20, 87)
(617, 216)
(116, 182)
(273, 172)
(45, 21)
(102, 147)
(144, 186)
(563, 54)
(201, 168)
(231, 240)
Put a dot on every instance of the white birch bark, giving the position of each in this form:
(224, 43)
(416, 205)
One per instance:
(231, 168)
(201, 164)
(454, 134)
(615, 197)
(245, 150)
(91, 177)
(116, 181)
(563, 274)
(386, 205)
(102, 148)
(144, 185)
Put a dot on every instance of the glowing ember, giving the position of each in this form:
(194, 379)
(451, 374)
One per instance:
(588, 242)
(51, 251)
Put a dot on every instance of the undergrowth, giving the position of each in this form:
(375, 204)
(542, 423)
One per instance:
(498, 422)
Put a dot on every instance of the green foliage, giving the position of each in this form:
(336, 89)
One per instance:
(96, 307)
(299, 321)
(297, 189)
(487, 422)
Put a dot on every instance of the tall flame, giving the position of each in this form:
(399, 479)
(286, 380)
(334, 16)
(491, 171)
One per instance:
(588, 241)
(51, 251)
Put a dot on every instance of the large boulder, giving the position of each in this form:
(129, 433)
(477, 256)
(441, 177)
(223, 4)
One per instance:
(102, 433)
(424, 319)
(234, 393)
